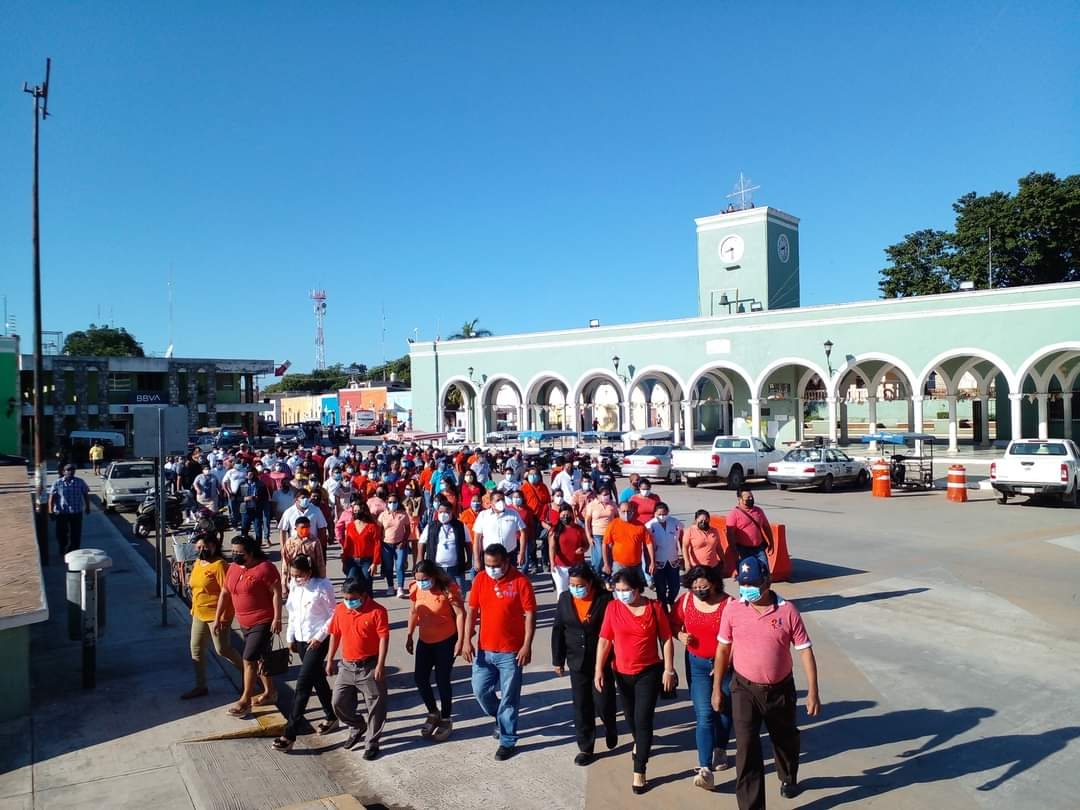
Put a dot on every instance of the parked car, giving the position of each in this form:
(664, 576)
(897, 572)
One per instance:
(822, 467)
(653, 461)
(455, 435)
(1036, 467)
(732, 459)
(126, 483)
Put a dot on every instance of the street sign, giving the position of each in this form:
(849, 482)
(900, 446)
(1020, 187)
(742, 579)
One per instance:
(146, 443)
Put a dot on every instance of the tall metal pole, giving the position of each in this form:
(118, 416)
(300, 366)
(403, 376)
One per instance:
(990, 259)
(40, 94)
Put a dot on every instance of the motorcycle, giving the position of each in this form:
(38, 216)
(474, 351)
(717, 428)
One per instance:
(177, 506)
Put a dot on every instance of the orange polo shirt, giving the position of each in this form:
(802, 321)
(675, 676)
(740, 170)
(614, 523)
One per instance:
(359, 631)
(627, 541)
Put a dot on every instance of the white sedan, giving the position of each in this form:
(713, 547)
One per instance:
(653, 461)
(822, 467)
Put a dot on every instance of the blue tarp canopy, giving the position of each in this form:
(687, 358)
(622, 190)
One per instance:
(898, 437)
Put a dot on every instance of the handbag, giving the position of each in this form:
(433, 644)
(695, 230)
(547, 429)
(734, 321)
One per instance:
(276, 661)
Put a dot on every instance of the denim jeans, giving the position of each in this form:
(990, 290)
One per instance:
(358, 568)
(499, 671)
(393, 560)
(457, 573)
(264, 517)
(713, 728)
(252, 517)
(597, 559)
(234, 511)
(749, 551)
(666, 579)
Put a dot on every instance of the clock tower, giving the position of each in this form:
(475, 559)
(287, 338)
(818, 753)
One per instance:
(748, 261)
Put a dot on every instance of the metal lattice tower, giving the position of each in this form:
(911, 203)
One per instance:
(319, 297)
(744, 193)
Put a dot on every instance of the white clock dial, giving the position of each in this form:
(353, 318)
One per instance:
(731, 248)
(783, 248)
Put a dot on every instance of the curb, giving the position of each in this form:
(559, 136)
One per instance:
(343, 802)
(270, 722)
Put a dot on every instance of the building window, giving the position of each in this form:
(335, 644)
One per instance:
(120, 383)
(226, 382)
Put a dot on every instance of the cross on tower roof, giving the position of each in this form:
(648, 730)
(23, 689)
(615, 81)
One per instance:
(744, 192)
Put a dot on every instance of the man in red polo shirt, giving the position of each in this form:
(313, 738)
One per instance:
(360, 628)
(756, 635)
(504, 599)
(748, 529)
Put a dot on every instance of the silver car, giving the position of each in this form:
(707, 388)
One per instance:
(126, 483)
(653, 461)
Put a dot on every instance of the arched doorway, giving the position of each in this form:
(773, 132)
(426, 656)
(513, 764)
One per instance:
(547, 403)
(1046, 399)
(786, 406)
(503, 406)
(598, 399)
(656, 400)
(878, 386)
(962, 389)
(715, 405)
(457, 406)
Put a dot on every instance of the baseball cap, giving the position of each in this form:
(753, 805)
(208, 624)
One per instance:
(751, 571)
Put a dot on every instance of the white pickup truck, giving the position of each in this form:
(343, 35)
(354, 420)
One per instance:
(1037, 467)
(732, 459)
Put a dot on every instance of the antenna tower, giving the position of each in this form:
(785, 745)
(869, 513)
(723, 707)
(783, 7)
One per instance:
(319, 297)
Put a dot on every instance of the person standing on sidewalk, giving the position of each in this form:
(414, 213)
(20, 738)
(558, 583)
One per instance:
(695, 621)
(439, 612)
(638, 629)
(756, 635)
(748, 529)
(207, 581)
(310, 607)
(97, 455)
(575, 635)
(253, 590)
(360, 629)
(69, 500)
(503, 601)
(254, 496)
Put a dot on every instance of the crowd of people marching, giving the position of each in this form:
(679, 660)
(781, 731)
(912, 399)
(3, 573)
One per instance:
(461, 534)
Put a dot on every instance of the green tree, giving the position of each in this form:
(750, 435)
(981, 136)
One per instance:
(918, 265)
(469, 330)
(102, 341)
(1034, 235)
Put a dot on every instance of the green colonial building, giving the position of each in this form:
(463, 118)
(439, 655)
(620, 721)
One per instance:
(973, 366)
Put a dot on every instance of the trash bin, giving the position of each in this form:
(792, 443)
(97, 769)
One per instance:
(92, 563)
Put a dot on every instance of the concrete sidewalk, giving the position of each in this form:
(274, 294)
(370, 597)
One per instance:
(125, 743)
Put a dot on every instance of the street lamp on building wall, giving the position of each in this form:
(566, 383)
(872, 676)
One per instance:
(828, 355)
(615, 364)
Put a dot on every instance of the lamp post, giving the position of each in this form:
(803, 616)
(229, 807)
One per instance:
(40, 94)
(828, 355)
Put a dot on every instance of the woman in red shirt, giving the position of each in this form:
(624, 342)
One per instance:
(253, 591)
(567, 545)
(362, 542)
(637, 628)
(469, 488)
(695, 621)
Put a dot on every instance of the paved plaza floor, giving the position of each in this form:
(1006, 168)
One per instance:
(947, 637)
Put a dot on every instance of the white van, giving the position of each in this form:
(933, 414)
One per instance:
(78, 444)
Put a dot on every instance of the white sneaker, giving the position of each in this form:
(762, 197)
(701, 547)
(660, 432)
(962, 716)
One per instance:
(704, 779)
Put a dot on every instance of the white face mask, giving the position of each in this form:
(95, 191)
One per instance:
(499, 506)
(495, 571)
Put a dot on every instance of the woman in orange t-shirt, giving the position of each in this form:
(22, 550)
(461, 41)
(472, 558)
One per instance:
(438, 610)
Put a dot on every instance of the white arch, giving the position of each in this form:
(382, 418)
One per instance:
(533, 386)
(1027, 367)
(855, 362)
(804, 380)
(492, 384)
(722, 365)
(463, 383)
(595, 374)
(654, 371)
(1050, 373)
(1069, 382)
(982, 354)
(775, 365)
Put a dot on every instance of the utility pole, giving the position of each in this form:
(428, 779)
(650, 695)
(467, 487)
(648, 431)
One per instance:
(40, 94)
(990, 257)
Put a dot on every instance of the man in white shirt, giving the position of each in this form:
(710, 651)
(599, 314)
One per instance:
(565, 480)
(303, 506)
(666, 534)
(234, 480)
(498, 524)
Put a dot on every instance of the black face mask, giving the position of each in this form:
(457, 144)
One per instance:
(240, 558)
(206, 555)
(749, 503)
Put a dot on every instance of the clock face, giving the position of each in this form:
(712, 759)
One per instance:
(783, 248)
(731, 248)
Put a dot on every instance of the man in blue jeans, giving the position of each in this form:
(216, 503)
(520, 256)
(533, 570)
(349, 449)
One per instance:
(506, 604)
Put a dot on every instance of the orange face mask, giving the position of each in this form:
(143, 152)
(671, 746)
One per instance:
(303, 531)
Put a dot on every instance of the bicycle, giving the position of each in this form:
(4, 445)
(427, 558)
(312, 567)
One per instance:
(184, 555)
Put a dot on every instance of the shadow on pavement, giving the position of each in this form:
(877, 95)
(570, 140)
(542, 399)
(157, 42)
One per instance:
(811, 570)
(807, 604)
(1014, 752)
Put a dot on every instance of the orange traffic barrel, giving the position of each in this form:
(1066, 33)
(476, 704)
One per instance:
(882, 482)
(956, 488)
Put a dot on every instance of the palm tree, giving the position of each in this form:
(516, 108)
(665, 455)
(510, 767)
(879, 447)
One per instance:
(469, 330)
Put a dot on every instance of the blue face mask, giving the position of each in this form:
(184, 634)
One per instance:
(425, 584)
(534, 479)
(578, 591)
(626, 597)
(749, 593)
(354, 604)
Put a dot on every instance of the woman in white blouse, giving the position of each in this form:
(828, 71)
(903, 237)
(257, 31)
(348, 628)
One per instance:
(310, 605)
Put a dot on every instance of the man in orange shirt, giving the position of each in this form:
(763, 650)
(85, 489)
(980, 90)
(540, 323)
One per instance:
(625, 542)
(503, 600)
(360, 628)
(538, 499)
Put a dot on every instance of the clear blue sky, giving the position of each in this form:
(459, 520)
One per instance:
(530, 165)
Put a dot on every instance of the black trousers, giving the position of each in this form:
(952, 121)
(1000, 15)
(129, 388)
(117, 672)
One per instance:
(68, 531)
(312, 676)
(775, 704)
(639, 693)
(440, 657)
(588, 704)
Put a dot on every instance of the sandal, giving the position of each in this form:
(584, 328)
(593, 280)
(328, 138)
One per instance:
(264, 700)
(430, 725)
(327, 726)
(239, 709)
(283, 744)
(442, 733)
